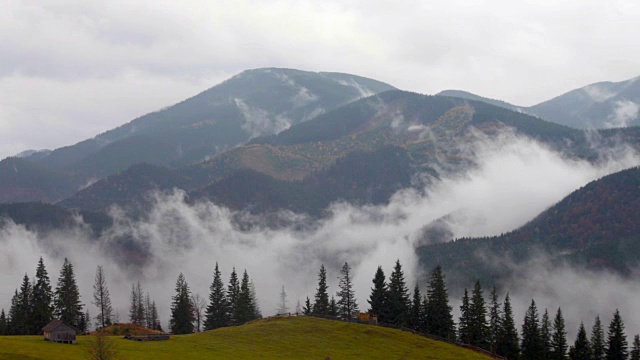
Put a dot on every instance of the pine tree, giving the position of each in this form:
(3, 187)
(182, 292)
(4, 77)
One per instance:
(464, 320)
(102, 299)
(507, 344)
(378, 301)
(133, 306)
(597, 340)
(4, 324)
(416, 318)
(333, 308)
(307, 309)
(233, 296)
(140, 310)
(347, 304)
(478, 328)
(217, 313)
(14, 316)
(494, 320)
(581, 349)
(424, 326)
(532, 345)
(398, 297)
(298, 308)
(559, 338)
(181, 321)
(321, 304)
(635, 349)
(155, 321)
(67, 297)
(148, 321)
(245, 311)
(257, 314)
(282, 309)
(545, 335)
(439, 317)
(22, 319)
(42, 299)
(616, 339)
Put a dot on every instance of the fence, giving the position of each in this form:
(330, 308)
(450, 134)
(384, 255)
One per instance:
(402, 328)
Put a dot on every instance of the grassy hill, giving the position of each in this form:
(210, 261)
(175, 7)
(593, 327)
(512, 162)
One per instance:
(282, 338)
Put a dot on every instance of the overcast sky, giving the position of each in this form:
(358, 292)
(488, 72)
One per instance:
(72, 69)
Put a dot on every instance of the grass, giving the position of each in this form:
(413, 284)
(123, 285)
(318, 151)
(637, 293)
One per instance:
(281, 338)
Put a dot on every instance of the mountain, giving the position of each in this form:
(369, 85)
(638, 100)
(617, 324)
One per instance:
(23, 180)
(601, 105)
(253, 103)
(362, 152)
(596, 226)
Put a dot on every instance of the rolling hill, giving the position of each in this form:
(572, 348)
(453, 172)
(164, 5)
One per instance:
(253, 103)
(595, 226)
(280, 338)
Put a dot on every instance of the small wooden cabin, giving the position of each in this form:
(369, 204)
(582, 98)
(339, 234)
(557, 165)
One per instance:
(58, 331)
(368, 318)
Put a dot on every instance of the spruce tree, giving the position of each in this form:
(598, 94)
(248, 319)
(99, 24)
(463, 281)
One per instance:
(635, 349)
(559, 338)
(597, 340)
(4, 324)
(494, 320)
(155, 320)
(616, 339)
(378, 301)
(545, 335)
(321, 304)
(347, 304)
(507, 344)
(42, 299)
(478, 328)
(257, 313)
(465, 320)
(14, 316)
(398, 297)
(22, 320)
(424, 326)
(307, 308)
(233, 297)
(245, 311)
(102, 299)
(333, 308)
(581, 349)
(532, 345)
(67, 297)
(134, 303)
(417, 314)
(282, 309)
(181, 321)
(439, 317)
(217, 312)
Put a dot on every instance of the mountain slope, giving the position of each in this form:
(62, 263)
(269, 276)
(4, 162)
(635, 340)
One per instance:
(253, 103)
(470, 96)
(601, 215)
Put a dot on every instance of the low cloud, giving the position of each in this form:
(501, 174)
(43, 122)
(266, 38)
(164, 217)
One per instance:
(625, 113)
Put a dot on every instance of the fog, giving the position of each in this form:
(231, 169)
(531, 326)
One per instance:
(514, 180)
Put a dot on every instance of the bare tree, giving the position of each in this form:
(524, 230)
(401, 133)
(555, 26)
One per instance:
(102, 347)
(102, 299)
(283, 309)
(199, 304)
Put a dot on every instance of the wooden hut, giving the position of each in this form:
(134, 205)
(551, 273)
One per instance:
(368, 318)
(58, 331)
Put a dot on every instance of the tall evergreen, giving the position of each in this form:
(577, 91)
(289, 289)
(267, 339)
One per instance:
(347, 304)
(321, 304)
(136, 305)
(283, 308)
(4, 324)
(307, 308)
(478, 328)
(635, 348)
(245, 311)
(67, 297)
(14, 316)
(181, 321)
(545, 334)
(439, 317)
(378, 302)
(616, 339)
(581, 349)
(494, 320)
(532, 345)
(416, 318)
(217, 313)
(597, 340)
(559, 345)
(424, 326)
(257, 313)
(398, 297)
(23, 316)
(507, 344)
(155, 319)
(465, 319)
(333, 308)
(42, 299)
(102, 299)
(233, 297)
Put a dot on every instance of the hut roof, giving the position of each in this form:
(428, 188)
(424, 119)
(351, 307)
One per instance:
(56, 323)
